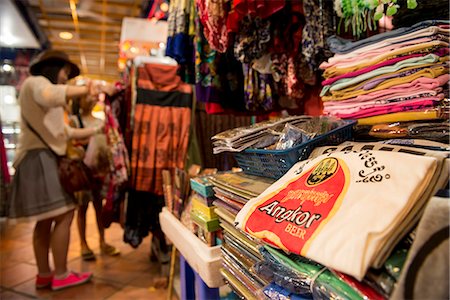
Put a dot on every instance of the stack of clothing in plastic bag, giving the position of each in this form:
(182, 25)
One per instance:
(401, 75)
(239, 250)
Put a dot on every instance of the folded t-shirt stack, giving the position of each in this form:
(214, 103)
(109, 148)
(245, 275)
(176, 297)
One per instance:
(251, 271)
(344, 209)
(404, 70)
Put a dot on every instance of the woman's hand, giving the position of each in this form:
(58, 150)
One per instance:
(94, 88)
(108, 89)
(99, 129)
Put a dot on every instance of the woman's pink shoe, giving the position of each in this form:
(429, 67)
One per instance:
(72, 279)
(43, 282)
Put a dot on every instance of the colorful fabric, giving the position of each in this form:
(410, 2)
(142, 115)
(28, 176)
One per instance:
(340, 45)
(252, 8)
(378, 49)
(358, 64)
(258, 8)
(401, 65)
(417, 85)
(159, 143)
(117, 178)
(425, 73)
(410, 105)
(6, 178)
(372, 83)
(257, 90)
(329, 81)
(355, 104)
(318, 27)
(161, 126)
(425, 114)
(213, 16)
(178, 37)
(205, 69)
(252, 39)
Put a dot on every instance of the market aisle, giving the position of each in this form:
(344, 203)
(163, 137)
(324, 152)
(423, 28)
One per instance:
(128, 276)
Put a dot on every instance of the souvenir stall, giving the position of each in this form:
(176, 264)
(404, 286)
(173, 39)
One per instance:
(323, 106)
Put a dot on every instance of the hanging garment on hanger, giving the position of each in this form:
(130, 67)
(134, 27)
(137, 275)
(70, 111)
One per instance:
(117, 178)
(318, 27)
(5, 178)
(213, 15)
(163, 60)
(162, 118)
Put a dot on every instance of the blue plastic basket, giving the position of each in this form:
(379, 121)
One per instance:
(275, 163)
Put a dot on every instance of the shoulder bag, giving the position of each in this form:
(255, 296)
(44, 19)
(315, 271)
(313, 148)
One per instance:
(73, 174)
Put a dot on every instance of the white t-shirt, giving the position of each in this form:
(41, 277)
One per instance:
(339, 209)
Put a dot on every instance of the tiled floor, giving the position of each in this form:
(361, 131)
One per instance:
(128, 276)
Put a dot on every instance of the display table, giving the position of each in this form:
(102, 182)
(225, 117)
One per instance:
(199, 264)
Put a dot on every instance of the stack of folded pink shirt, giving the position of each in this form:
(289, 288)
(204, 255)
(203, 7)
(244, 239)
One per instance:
(404, 70)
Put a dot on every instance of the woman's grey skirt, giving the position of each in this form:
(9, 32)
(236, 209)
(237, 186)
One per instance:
(36, 192)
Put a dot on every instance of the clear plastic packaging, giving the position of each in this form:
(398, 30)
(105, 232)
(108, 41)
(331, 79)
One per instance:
(275, 291)
(279, 134)
(302, 276)
(434, 131)
(292, 136)
(430, 131)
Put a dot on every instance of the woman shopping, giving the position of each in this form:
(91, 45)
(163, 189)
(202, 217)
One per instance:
(37, 194)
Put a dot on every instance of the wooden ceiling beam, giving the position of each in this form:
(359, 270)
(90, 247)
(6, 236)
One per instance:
(73, 9)
(83, 40)
(93, 55)
(109, 68)
(60, 13)
(72, 49)
(120, 4)
(69, 23)
(81, 21)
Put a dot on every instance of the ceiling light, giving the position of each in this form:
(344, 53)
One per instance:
(7, 68)
(65, 35)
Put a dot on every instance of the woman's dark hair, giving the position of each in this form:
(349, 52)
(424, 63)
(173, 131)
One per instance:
(51, 70)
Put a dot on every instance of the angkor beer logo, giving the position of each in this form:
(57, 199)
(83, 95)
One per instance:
(323, 171)
(295, 212)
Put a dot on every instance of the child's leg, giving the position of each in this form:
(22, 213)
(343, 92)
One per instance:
(104, 247)
(60, 241)
(81, 223)
(98, 206)
(41, 245)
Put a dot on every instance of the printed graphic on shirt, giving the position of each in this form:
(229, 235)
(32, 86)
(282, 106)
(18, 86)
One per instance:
(291, 216)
